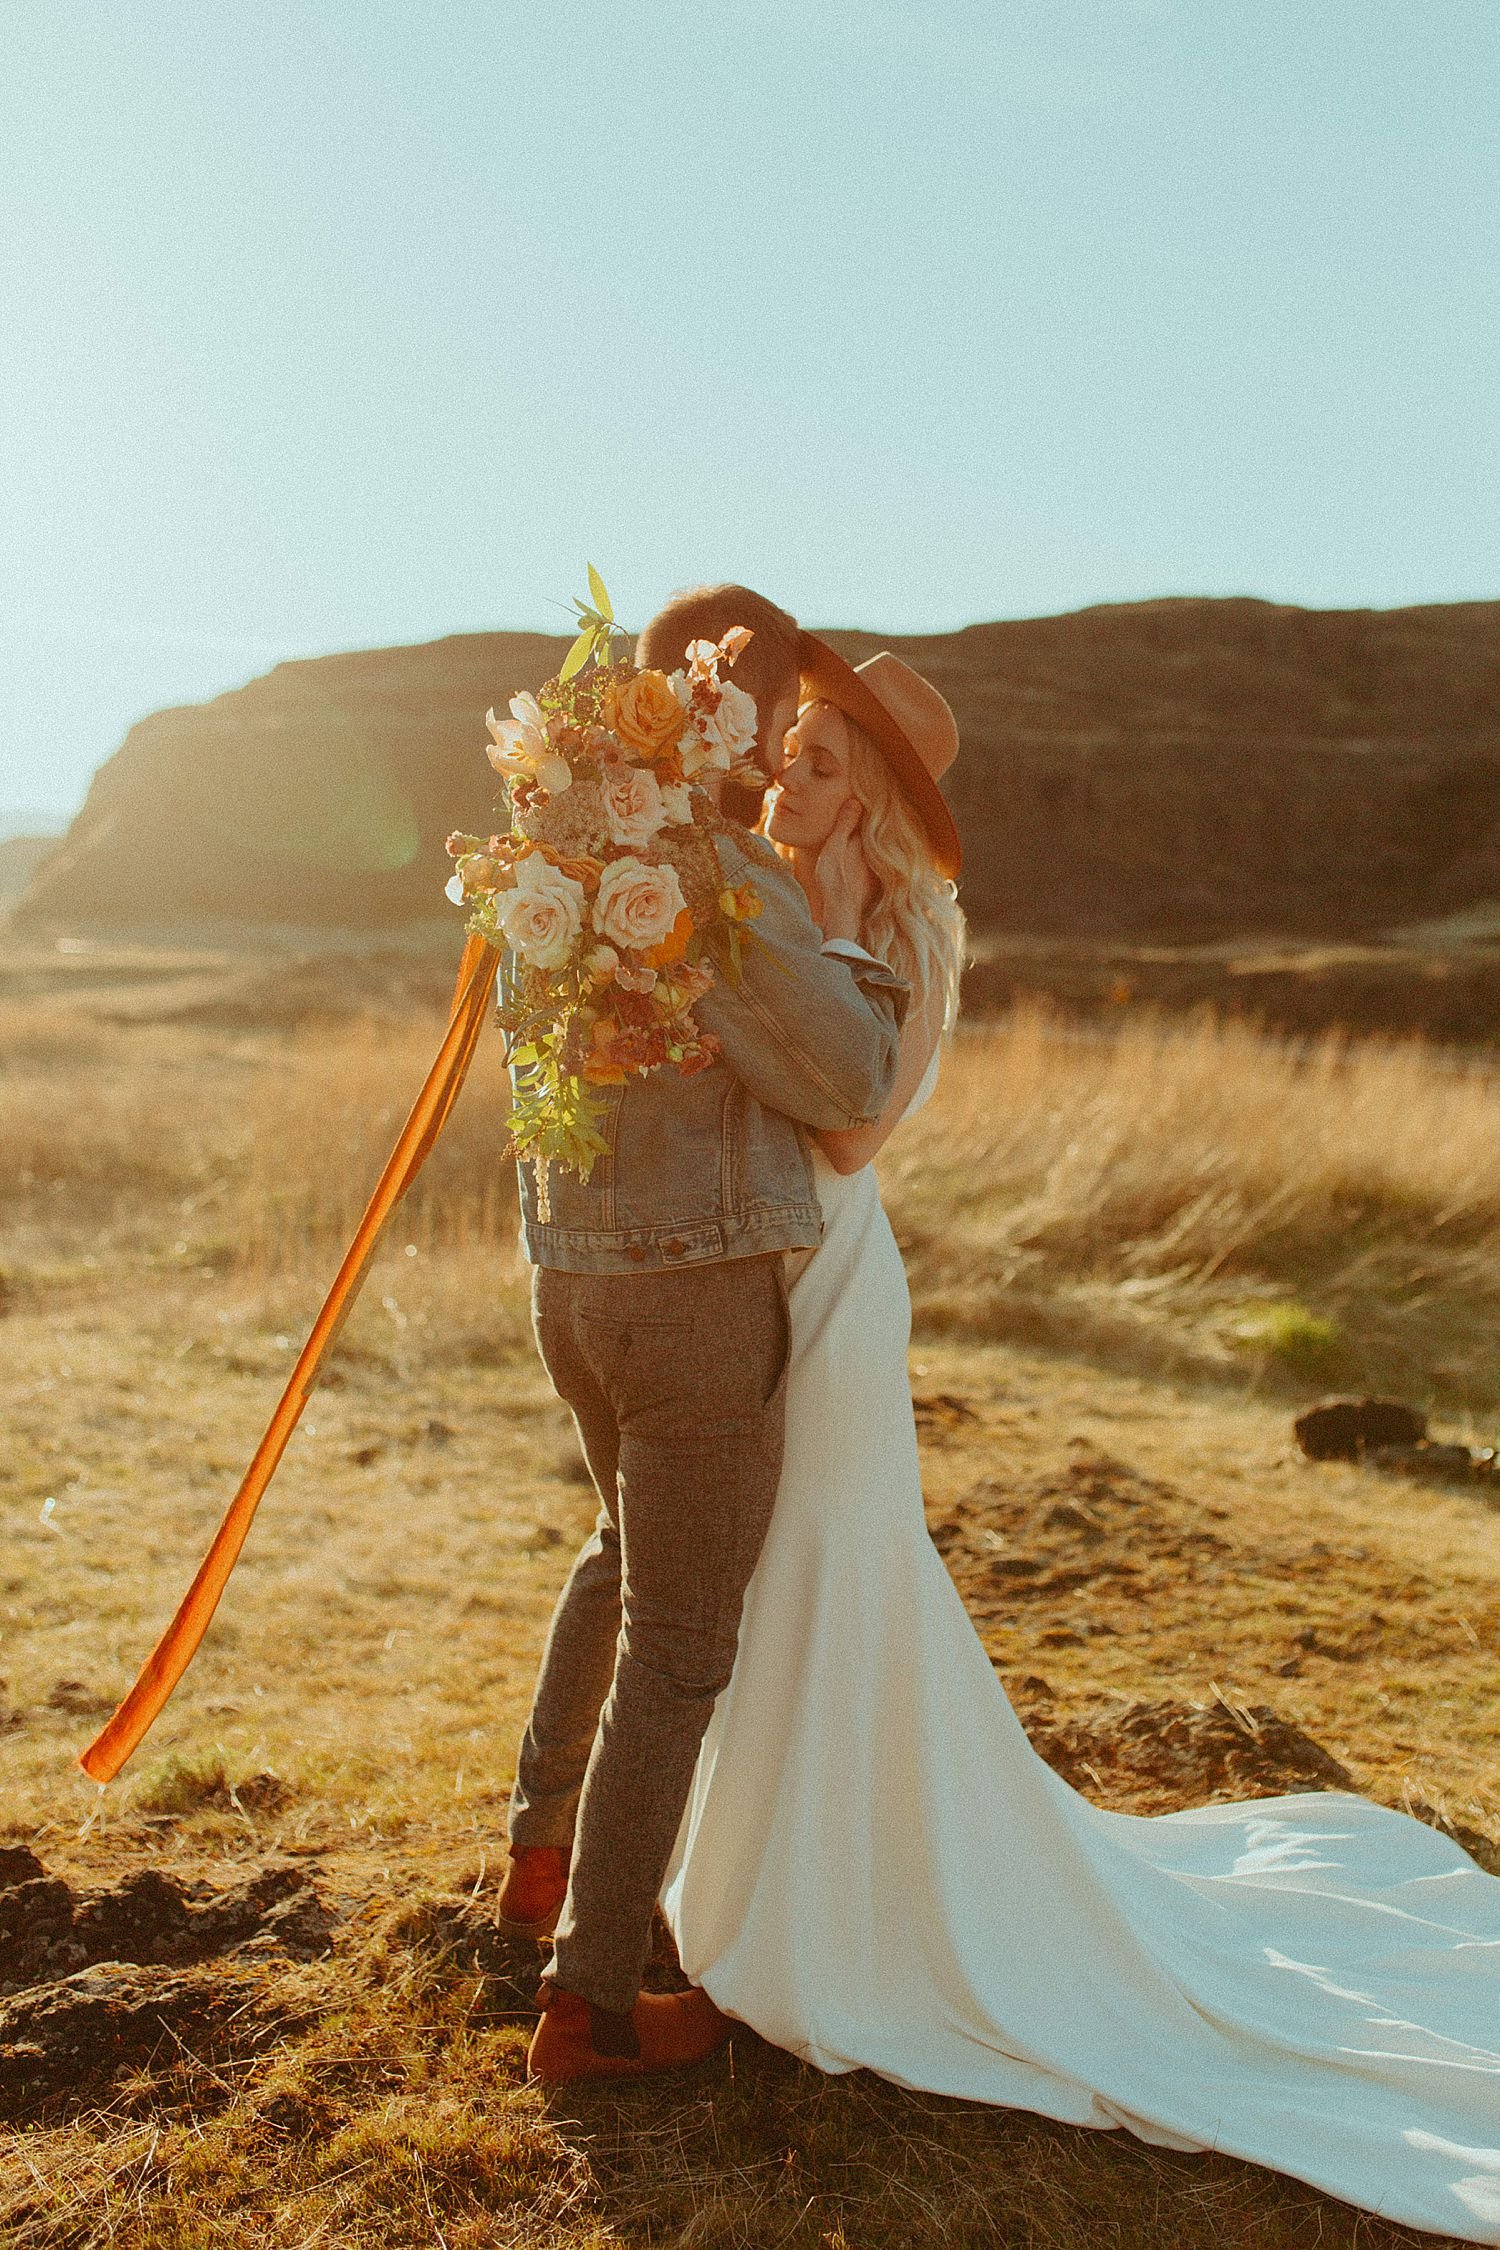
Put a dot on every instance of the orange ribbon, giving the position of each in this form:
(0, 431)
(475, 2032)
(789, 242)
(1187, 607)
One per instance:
(175, 1650)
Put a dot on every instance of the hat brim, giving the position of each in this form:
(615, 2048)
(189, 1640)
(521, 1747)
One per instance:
(827, 678)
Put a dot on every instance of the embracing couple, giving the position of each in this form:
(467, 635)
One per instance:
(762, 1704)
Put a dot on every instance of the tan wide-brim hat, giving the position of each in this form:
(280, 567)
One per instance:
(909, 723)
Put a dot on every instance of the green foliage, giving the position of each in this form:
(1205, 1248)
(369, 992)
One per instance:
(602, 601)
(598, 630)
(1305, 1343)
(555, 1117)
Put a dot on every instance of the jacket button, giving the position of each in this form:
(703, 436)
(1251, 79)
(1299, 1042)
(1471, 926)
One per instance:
(635, 1252)
(676, 1249)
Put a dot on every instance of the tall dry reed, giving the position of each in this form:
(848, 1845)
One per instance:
(255, 1151)
(1167, 1180)
(1155, 1191)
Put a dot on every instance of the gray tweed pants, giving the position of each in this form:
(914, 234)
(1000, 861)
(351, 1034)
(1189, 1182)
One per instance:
(677, 1381)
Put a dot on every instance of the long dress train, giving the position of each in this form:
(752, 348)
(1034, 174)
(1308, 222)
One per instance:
(875, 1868)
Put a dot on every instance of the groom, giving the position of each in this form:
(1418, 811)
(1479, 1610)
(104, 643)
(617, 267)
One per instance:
(660, 1307)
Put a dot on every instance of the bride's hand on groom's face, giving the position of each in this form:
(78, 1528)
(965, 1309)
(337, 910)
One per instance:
(845, 884)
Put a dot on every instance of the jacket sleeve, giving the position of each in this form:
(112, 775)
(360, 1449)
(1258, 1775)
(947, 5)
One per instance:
(811, 1033)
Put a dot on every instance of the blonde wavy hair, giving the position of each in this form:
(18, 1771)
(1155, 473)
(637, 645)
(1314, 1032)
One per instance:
(915, 923)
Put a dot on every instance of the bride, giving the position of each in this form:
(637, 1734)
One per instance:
(876, 1870)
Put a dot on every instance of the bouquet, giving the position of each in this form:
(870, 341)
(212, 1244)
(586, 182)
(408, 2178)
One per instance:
(602, 887)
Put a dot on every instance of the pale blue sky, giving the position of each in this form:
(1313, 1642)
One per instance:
(328, 323)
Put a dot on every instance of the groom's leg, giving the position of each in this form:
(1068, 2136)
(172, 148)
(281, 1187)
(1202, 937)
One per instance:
(694, 1365)
(578, 1661)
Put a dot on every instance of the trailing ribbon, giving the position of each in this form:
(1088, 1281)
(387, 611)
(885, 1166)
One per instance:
(175, 1650)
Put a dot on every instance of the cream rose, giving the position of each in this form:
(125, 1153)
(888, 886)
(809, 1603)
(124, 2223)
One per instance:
(731, 731)
(543, 915)
(692, 752)
(677, 804)
(637, 905)
(633, 808)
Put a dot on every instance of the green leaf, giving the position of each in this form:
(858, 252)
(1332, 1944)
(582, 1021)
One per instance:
(578, 655)
(601, 597)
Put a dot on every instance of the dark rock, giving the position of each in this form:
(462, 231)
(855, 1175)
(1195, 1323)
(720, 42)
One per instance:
(1182, 766)
(72, 2037)
(18, 1864)
(1344, 1429)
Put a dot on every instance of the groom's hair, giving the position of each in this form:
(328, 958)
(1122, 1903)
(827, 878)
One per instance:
(769, 665)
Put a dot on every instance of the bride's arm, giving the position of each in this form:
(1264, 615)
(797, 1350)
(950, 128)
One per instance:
(857, 1145)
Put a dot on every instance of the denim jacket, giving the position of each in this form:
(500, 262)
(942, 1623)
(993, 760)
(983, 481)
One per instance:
(717, 1165)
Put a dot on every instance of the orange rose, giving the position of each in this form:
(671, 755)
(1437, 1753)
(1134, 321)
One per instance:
(646, 714)
(673, 945)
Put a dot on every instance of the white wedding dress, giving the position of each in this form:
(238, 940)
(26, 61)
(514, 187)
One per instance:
(876, 1870)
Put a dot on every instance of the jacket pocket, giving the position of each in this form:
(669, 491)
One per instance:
(734, 1148)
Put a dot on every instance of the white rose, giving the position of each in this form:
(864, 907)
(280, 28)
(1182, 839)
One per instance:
(633, 809)
(637, 905)
(690, 744)
(692, 750)
(731, 731)
(677, 804)
(543, 915)
(521, 745)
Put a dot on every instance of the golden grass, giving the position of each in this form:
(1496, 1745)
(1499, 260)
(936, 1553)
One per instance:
(1182, 1193)
(1192, 1194)
(399, 2119)
(247, 1151)
(1092, 1227)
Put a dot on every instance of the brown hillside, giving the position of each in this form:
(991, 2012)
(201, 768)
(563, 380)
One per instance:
(1173, 768)
(20, 857)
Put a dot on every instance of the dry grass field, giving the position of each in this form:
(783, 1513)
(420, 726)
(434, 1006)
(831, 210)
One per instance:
(1130, 1257)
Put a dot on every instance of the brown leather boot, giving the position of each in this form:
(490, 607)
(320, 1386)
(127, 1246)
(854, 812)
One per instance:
(663, 2031)
(536, 1883)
